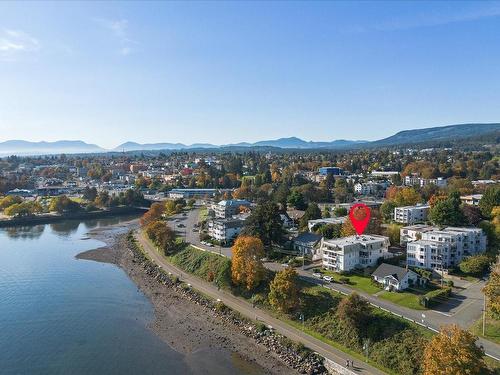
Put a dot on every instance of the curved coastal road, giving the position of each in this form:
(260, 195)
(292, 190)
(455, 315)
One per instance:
(247, 310)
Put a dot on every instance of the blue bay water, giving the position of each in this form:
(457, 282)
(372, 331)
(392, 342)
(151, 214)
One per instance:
(60, 315)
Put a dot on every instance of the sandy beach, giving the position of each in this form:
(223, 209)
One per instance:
(190, 328)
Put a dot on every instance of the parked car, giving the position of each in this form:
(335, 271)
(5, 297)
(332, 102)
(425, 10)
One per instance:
(317, 274)
(328, 278)
(181, 226)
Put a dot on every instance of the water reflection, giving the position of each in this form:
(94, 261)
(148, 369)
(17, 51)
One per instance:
(26, 233)
(65, 228)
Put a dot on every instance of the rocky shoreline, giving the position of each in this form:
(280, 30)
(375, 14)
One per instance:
(192, 324)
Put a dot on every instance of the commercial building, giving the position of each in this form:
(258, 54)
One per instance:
(348, 253)
(336, 171)
(411, 214)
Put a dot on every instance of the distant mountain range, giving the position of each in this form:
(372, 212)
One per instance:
(19, 147)
(443, 134)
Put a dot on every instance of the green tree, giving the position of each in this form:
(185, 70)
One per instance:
(393, 231)
(26, 208)
(265, 223)
(490, 199)
(296, 199)
(354, 311)
(63, 204)
(284, 291)
(387, 210)
(340, 211)
(475, 265)
(312, 212)
(447, 211)
(9, 200)
(330, 231)
(492, 291)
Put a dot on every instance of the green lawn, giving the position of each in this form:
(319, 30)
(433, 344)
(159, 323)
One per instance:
(203, 214)
(406, 299)
(362, 283)
(492, 331)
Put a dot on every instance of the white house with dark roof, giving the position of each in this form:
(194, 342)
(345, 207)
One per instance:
(394, 277)
(306, 243)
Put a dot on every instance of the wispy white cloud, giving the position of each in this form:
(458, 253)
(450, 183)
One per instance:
(119, 29)
(14, 43)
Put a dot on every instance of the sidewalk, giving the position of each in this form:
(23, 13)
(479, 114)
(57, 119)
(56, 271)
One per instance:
(247, 310)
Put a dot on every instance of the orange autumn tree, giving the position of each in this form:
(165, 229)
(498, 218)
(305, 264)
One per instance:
(453, 352)
(154, 213)
(246, 266)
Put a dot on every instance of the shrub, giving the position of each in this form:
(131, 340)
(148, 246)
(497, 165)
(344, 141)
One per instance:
(434, 297)
(344, 280)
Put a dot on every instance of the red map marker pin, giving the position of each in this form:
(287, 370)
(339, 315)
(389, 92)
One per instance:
(360, 217)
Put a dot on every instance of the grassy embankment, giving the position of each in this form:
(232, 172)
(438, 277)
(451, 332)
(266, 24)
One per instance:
(385, 332)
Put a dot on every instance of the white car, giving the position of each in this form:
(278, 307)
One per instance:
(318, 275)
(328, 278)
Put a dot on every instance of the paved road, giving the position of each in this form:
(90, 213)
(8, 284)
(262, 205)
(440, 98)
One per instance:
(464, 315)
(464, 308)
(246, 309)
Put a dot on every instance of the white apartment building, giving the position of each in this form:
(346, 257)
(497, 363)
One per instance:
(413, 233)
(411, 214)
(225, 230)
(228, 208)
(442, 249)
(429, 254)
(347, 253)
(415, 180)
(370, 188)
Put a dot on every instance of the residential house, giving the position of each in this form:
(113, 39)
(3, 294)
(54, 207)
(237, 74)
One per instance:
(306, 243)
(395, 278)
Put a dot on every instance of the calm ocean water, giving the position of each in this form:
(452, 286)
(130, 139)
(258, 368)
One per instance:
(60, 315)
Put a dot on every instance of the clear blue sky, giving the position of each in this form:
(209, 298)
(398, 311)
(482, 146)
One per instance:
(225, 72)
